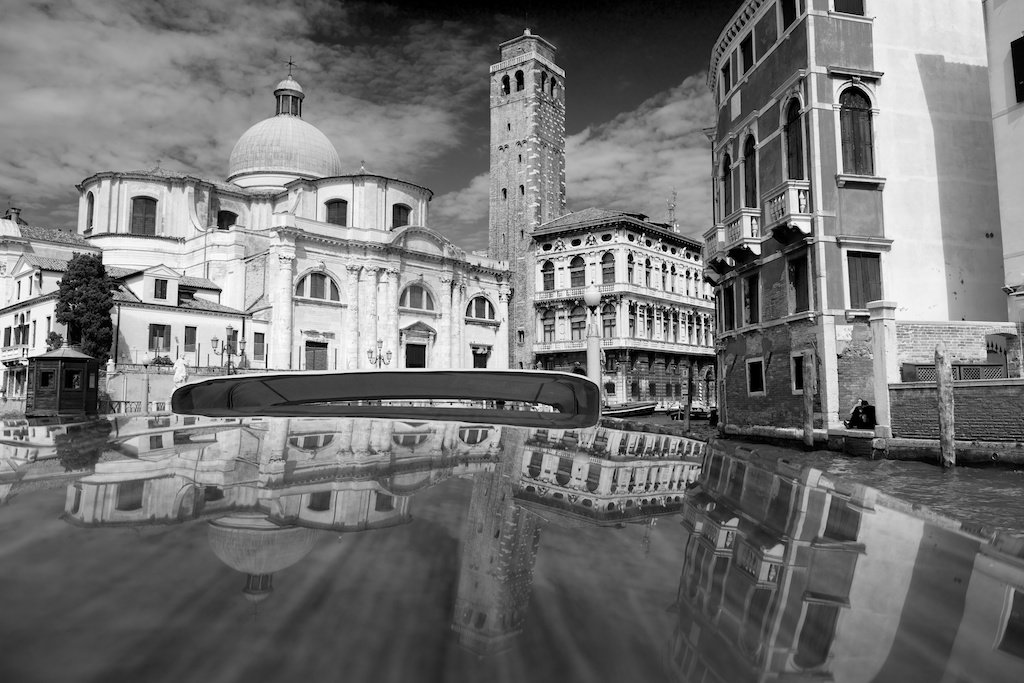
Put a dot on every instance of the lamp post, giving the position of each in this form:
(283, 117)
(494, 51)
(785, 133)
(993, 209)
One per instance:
(226, 349)
(592, 298)
(380, 358)
(146, 360)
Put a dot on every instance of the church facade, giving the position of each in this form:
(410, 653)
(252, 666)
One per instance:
(312, 268)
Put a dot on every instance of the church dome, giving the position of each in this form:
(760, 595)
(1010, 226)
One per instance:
(251, 544)
(284, 144)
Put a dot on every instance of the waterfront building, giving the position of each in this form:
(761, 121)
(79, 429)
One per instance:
(1004, 21)
(854, 182)
(656, 313)
(311, 266)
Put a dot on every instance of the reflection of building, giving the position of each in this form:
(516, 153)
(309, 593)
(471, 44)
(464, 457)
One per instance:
(498, 554)
(789, 575)
(606, 475)
(655, 319)
(853, 163)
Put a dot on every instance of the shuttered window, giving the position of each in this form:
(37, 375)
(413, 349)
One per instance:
(865, 278)
(726, 186)
(794, 143)
(750, 173)
(143, 216)
(855, 127)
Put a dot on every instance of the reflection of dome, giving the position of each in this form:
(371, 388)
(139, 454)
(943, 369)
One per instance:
(284, 143)
(251, 544)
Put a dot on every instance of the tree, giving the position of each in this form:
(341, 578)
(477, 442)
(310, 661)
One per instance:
(84, 302)
(54, 341)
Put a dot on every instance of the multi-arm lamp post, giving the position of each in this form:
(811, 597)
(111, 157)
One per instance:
(226, 349)
(380, 358)
(592, 298)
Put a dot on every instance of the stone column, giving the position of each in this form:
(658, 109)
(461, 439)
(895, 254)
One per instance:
(389, 327)
(281, 338)
(448, 321)
(352, 323)
(885, 363)
(368, 323)
(501, 343)
(458, 338)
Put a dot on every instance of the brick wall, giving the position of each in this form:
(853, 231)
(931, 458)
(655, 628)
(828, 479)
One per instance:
(779, 406)
(854, 365)
(965, 341)
(986, 411)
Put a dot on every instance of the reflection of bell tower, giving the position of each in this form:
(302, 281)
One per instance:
(527, 174)
(249, 543)
(500, 547)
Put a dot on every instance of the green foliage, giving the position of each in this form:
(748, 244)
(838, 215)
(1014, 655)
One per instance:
(54, 341)
(163, 360)
(83, 444)
(84, 302)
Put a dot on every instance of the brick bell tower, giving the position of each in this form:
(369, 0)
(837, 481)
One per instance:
(527, 171)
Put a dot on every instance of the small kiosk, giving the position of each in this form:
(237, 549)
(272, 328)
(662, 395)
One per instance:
(62, 382)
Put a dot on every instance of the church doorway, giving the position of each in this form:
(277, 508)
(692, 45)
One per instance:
(316, 355)
(415, 355)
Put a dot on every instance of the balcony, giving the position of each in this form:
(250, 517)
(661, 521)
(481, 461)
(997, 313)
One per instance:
(788, 212)
(576, 294)
(12, 354)
(743, 234)
(630, 343)
(714, 250)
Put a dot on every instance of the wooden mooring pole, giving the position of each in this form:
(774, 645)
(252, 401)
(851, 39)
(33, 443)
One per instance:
(944, 386)
(809, 387)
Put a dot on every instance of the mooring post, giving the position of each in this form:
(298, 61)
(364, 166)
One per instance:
(944, 385)
(690, 384)
(809, 387)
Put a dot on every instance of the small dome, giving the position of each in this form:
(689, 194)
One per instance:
(251, 544)
(289, 83)
(284, 144)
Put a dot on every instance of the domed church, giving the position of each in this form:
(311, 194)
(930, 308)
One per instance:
(314, 268)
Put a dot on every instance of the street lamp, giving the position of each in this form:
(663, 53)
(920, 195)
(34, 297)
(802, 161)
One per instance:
(380, 358)
(226, 349)
(592, 298)
(146, 360)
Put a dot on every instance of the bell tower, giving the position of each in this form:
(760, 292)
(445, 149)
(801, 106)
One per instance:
(527, 171)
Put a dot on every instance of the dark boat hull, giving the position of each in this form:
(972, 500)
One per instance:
(630, 409)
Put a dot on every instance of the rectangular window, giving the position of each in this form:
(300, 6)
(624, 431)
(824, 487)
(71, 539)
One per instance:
(865, 278)
(799, 297)
(159, 289)
(1017, 57)
(190, 339)
(159, 337)
(259, 346)
(796, 364)
(33, 333)
(747, 53)
(549, 330)
(751, 299)
(728, 307)
(726, 76)
(72, 379)
(789, 12)
(317, 285)
(7, 336)
(46, 378)
(755, 376)
(49, 327)
(850, 6)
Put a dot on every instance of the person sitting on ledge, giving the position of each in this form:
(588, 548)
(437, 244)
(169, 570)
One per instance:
(862, 416)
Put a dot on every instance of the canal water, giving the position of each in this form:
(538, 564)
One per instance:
(170, 548)
(992, 496)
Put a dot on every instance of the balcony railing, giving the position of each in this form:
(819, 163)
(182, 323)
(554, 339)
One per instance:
(714, 241)
(633, 343)
(628, 288)
(743, 230)
(14, 352)
(790, 205)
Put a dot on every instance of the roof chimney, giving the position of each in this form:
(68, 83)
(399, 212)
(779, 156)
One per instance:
(13, 214)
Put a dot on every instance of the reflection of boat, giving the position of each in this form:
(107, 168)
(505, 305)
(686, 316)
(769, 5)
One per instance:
(634, 409)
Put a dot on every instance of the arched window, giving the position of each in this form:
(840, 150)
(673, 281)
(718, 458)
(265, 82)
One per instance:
(672, 279)
(337, 212)
(578, 323)
(547, 273)
(750, 173)
(522, 190)
(577, 272)
(317, 286)
(520, 81)
(548, 325)
(400, 215)
(608, 316)
(647, 273)
(480, 308)
(416, 296)
(504, 193)
(629, 268)
(505, 85)
(143, 216)
(664, 277)
(726, 185)
(543, 81)
(554, 86)
(90, 209)
(474, 435)
(607, 268)
(794, 135)
(855, 132)
(225, 219)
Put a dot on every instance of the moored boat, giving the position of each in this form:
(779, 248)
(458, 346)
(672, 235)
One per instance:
(635, 409)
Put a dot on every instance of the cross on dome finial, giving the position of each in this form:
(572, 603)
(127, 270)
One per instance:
(291, 65)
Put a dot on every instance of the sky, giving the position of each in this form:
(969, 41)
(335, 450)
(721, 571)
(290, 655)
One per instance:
(402, 88)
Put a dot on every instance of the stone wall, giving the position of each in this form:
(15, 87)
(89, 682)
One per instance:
(965, 341)
(991, 410)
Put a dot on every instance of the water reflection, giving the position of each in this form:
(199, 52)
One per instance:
(789, 574)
